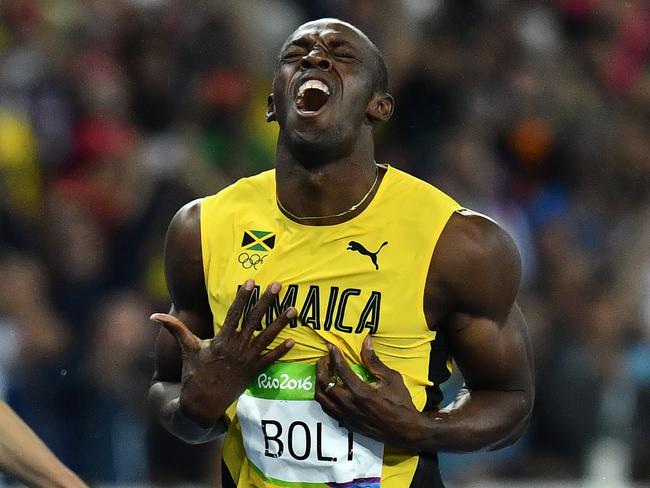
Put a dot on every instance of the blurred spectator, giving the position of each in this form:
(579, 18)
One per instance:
(113, 113)
(35, 364)
(116, 370)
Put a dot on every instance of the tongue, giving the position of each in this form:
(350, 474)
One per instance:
(312, 100)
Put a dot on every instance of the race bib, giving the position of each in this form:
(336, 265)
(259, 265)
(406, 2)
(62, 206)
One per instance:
(290, 441)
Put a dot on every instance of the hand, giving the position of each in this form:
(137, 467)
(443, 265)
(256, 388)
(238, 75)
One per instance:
(382, 410)
(217, 371)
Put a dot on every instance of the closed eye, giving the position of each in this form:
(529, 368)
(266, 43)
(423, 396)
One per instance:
(344, 55)
(293, 55)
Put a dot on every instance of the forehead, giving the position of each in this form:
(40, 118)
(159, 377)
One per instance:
(330, 29)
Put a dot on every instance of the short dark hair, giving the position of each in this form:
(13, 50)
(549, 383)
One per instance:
(380, 72)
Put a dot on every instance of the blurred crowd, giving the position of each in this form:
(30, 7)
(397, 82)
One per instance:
(114, 113)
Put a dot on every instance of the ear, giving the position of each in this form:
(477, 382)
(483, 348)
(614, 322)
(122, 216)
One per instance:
(270, 109)
(380, 107)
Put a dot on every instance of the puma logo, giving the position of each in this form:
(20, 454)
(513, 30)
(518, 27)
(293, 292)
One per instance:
(356, 246)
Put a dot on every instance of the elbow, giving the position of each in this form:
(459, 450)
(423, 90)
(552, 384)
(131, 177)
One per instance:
(194, 441)
(515, 424)
(523, 407)
(156, 397)
(164, 401)
(513, 436)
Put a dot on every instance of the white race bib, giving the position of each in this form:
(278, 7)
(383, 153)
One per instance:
(290, 440)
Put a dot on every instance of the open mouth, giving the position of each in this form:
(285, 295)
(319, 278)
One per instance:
(312, 96)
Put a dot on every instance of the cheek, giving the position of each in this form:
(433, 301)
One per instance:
(283, 77)
(355, 103)
(358, 93)
(280, 95)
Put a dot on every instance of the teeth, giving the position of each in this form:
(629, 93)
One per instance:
(314, 84)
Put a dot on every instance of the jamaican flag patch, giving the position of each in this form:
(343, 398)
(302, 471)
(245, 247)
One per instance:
(258, 240)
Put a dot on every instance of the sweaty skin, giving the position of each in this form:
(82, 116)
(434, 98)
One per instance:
(325, 165)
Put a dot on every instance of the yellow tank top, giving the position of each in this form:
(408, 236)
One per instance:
(363, 276)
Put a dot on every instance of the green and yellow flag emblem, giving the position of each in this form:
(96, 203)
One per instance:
(258, 240)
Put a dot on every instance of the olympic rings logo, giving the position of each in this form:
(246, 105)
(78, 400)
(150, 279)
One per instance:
(249, 261)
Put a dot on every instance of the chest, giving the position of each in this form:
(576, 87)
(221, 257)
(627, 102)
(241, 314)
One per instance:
(346, 282)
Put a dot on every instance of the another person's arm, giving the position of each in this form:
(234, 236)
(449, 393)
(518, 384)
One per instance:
(27, 459)
(471, 288)
(198, 375)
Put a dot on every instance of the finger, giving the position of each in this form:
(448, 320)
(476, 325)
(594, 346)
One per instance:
(274, 354)
(186, 340)
(266, 337)
(371, 361)
(325, 385)
(237, 307)
(328, 406)
(343, 370)
(336, 400)
(341, 395)
(255, 316)
(348, 418)
(324, 373)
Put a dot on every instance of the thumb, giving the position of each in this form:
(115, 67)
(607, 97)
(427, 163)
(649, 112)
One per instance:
(186, 340)
(373, 364)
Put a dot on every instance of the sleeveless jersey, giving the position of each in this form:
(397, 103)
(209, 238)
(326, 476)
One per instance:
(363, 276)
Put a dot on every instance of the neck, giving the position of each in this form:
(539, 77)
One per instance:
(326, 190)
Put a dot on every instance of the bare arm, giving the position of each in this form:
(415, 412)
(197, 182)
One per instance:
(184, 272)
(475, 273)
(199, 375)
(26, 458)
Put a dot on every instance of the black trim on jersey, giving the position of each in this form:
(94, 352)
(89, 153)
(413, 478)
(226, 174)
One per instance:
(427, 473)
(438, 372)
(226, 477)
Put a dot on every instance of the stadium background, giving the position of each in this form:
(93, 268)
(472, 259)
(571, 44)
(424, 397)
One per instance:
(113, 113)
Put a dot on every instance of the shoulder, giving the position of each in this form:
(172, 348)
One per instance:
(474, 238)
(184, 259)
(239, 196)
(245, 187)
(409, 186)
(186, 223)
(421, 207)
(476, 265)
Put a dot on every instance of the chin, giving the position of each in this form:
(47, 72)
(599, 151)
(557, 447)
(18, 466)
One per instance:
(315, 147)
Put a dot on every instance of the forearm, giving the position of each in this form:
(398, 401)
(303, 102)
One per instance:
(477, 420)
(164, 398)
(26, 458)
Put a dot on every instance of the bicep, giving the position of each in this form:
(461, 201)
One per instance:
(186, 285)
(479, 267)
(491, 354)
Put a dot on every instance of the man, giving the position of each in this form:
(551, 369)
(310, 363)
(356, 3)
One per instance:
(24, 456)
(333, 377)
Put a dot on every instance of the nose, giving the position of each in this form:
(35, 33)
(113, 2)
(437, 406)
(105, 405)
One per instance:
(315, 59)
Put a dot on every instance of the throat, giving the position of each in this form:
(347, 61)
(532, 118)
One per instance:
(330, 202)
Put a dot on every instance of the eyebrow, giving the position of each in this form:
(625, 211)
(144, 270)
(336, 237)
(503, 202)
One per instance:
(306, 42)
(300, 42)
(339, 43)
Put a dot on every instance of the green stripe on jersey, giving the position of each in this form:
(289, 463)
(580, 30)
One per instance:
(288, 484)
(292, 381)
